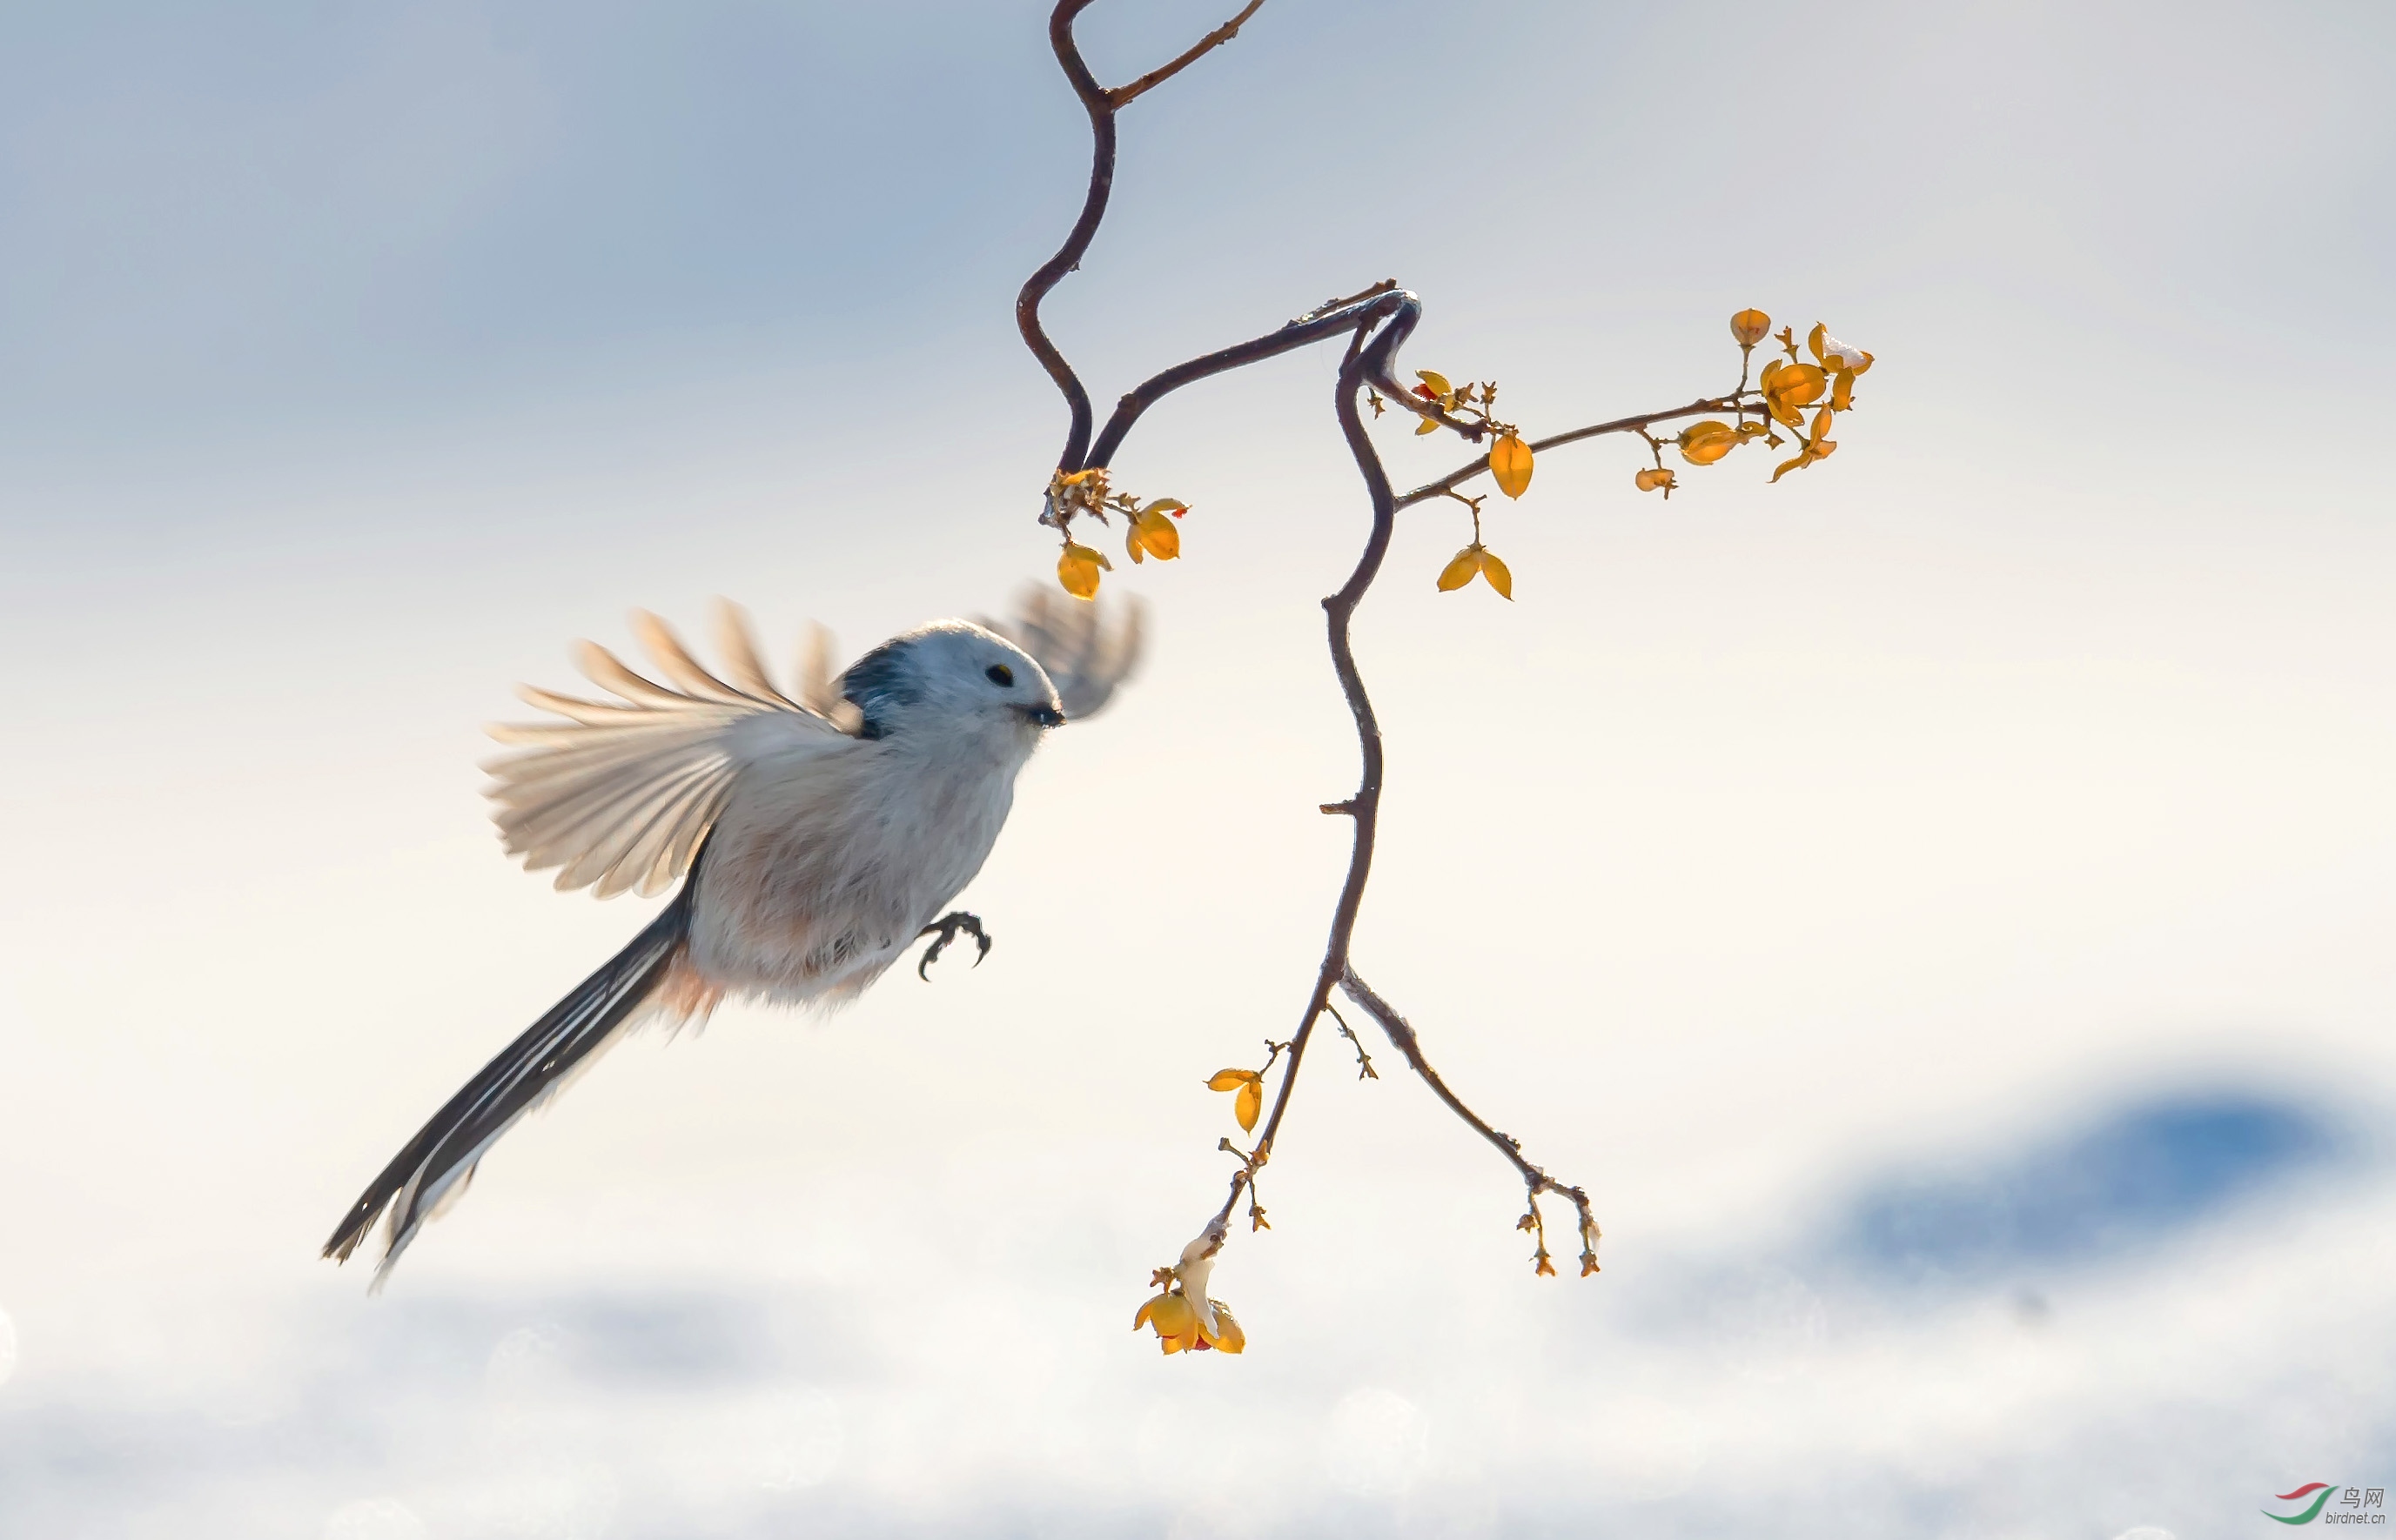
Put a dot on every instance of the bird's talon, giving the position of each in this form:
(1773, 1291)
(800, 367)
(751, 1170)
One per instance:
(945, 930)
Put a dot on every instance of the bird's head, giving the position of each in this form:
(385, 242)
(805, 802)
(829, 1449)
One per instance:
(951, 677)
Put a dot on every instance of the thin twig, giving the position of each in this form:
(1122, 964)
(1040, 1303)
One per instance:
(1365, 1069)
(1403, 1037)
(1384, 286)
(1463, 473)
(1123, 96)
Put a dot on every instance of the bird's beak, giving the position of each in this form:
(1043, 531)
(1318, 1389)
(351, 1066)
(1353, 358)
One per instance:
(1044, 716)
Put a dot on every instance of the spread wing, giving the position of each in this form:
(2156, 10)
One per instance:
(1086, 647)
(620, 793)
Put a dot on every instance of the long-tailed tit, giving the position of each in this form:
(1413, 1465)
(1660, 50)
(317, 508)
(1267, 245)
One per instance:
(815, 835)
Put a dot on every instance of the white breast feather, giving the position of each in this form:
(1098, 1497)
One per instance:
(816, 883)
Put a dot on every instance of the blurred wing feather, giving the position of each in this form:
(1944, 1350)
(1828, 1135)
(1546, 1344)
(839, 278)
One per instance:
(618, 796)
(1087, 649)
(675, 661)
(735, 641)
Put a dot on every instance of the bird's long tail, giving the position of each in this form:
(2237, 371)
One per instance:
(438, 1163)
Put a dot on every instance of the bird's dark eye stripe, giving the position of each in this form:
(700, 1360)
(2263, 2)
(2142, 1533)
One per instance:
(1000, 675)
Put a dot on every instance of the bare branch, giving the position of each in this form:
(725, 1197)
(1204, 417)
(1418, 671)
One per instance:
(1078, 241)
(1378, 321)
(1101, 104)
(1123, 96)
(1368, 351)
(1325, 321)
(1402, 1036)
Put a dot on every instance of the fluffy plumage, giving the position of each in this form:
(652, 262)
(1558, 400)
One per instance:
(818, 833)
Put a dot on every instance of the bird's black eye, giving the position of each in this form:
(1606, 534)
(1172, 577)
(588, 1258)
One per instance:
(1000, 675)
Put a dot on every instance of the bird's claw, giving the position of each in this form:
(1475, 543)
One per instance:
(945, 929)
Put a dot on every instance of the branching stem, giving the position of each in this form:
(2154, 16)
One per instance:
(1402, 1036)
(1377, 321)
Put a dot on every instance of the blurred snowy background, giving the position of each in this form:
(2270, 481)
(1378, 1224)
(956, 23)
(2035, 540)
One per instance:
(1940, 904)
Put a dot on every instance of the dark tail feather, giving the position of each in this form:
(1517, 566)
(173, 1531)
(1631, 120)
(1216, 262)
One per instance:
(439, 1162)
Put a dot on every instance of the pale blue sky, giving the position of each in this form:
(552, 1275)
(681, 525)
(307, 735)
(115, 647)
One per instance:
(2007, 797)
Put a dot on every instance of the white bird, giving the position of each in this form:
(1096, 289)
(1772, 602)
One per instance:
(817, 836)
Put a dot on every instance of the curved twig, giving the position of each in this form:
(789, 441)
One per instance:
(1101, 104)
(1314, 326)
(1369, 352)
(1078, 241)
